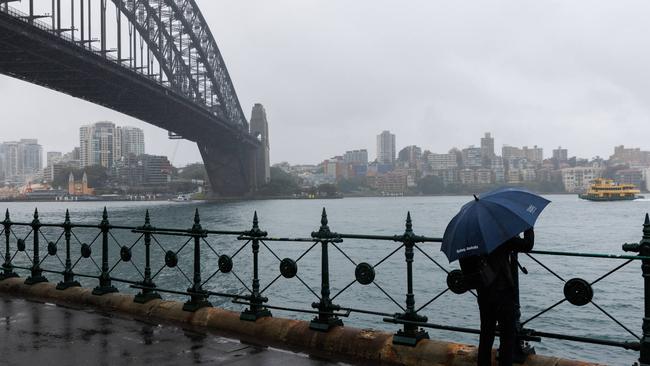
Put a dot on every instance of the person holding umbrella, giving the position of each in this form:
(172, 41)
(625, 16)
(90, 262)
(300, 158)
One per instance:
(485, 234)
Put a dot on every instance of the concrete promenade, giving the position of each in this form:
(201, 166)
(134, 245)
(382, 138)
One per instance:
(41, 338)
(33, 333)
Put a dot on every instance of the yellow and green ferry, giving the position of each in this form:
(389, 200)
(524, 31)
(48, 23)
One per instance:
(606, 190)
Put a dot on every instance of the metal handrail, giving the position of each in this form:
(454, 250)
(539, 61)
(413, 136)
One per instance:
(327, 313)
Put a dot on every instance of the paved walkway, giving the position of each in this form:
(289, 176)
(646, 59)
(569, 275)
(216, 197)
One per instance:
(45, 334)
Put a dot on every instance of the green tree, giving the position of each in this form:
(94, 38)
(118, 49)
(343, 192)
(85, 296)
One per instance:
(281, 184)
(352, 184)
(431, 184)
(327, 189)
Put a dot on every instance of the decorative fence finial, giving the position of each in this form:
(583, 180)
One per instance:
(409, 223)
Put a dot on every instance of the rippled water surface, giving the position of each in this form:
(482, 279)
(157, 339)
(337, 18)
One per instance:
(568, 224)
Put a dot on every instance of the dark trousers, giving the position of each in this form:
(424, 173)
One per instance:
(495, 309)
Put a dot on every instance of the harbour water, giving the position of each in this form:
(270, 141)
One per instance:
(568, 224)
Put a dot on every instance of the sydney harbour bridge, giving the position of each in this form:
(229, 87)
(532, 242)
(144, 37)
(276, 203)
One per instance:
(155, 60)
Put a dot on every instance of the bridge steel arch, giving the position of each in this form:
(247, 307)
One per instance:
(191, 93)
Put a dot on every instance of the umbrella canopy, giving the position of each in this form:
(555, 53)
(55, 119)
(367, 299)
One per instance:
(490, 220)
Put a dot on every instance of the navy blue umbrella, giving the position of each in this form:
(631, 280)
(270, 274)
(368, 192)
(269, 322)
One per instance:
(490, 220)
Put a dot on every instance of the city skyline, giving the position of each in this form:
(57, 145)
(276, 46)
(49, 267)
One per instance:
(520, 88)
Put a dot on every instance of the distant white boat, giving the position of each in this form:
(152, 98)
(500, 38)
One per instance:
(182, 198)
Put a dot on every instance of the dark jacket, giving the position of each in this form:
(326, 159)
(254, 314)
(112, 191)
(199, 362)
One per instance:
(500, 262)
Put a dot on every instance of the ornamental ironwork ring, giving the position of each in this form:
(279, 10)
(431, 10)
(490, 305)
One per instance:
(85, 250)
(456, 282)
(51, 248)
(288, 268)
(21, 245)
(171, 259)
(125, 254)
(225, 263)
(364, 273)
(578, 292)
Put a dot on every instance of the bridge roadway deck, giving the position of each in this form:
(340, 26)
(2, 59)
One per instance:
(40, 334)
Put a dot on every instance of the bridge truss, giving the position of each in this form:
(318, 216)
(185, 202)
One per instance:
(155, 60)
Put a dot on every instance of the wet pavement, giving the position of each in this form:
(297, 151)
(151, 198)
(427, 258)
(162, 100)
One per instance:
(45, 334)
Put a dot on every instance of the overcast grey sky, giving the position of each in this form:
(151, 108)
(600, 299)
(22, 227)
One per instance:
(333, 74)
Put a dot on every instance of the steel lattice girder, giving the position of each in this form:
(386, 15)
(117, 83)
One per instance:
(179, 38)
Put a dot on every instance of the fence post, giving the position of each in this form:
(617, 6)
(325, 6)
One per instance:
(37, 272)
(643, 248)
(7, 267)
(105, 286)
(410, 335)
(257, 309)
(68, 275)
(148, 293)
(198, 296)
(325, 319)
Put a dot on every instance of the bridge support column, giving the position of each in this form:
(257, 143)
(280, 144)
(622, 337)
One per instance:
(231, 168)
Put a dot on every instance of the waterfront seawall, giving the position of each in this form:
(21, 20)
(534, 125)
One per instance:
(348, 344)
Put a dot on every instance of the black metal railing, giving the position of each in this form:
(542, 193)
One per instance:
(147, 253)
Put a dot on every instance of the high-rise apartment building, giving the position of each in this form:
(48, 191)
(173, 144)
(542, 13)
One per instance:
(443, 161)
(132, 140)
(21, 159)
(533, 154)
(472, 157)
(386, 148)
(410, 154)
(356, 157)
(487, 146)
(560, 154)
(260, 128)
(510, 152)
(103, 143)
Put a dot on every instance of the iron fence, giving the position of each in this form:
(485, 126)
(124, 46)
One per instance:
(151, 252)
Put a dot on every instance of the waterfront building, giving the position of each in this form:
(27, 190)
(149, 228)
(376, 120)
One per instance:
(143, 170)
(100, 144)
(560, 155)
(411, 155)
(21, 160)
(629, 176)
(466, 176)
(336, 168)
(259, 127)
(544, 174)
(448, 176)
(12, 160)
(443, 161)
(79, 188)
(528, 174)
(356, 157)
(579, 179)
(472, 157)
(533, 154)
(487, 146)
(483, 176)
(510, 152)
(633, 157)
(513, 176)
(498, 169)
(394, 182)
(386, 148)
(132, 141)
(157, 169)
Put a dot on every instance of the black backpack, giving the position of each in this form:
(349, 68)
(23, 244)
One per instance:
(477, 272)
